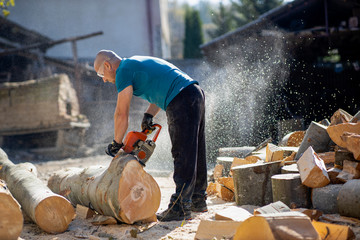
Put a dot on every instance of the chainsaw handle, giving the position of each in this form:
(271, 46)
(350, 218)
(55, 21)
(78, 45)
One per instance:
(146, 131)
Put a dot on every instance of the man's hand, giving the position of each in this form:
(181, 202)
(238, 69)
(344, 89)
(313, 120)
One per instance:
(113, 148)
(147, 122)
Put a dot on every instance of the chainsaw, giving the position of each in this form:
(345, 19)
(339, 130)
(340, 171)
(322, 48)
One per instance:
(137, 144)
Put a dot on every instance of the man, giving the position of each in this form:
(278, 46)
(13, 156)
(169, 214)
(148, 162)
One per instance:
(165, 87)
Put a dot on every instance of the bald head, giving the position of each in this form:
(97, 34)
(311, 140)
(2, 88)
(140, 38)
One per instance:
(105, 55)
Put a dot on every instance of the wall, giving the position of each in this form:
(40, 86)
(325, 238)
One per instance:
(128, 26)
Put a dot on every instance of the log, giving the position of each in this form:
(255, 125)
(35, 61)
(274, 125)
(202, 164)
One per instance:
(252, 183)
(325, 198)
(342, 154)
(273, 153)
(11, 218)
(288, 189)
(123, 190)
(292, 139)
(233, 213)
(312, 170)
(333, 231)
(336, 131)
(340, 116)
(327, 157)
(317, 137)
(239, 152)
(209, 230)
(351, 170)
(218, 171)
(292, 168)
(51, 212)
(276, 207)
(333, 173)
(280, 226)
(349, 199)
(352, 142)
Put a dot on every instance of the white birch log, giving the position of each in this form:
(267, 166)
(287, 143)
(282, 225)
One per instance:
(123, 190)
(50, 211)
(11, 219)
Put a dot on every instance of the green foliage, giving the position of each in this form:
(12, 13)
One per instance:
(223, 20)
(4, 4)
(240, 12)
(246, 11)
(193, 34)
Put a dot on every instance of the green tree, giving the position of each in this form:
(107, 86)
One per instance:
(245, 11)
(193, 34)
(223, 21)
(4, 5)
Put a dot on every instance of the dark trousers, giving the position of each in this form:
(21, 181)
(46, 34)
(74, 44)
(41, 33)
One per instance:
(186, 121)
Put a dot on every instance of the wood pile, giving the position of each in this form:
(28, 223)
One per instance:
(324, 179)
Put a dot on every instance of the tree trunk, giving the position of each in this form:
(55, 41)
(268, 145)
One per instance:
(289, 189)
(348, 199)
(51, 212)
(123, 190)
(11, 219)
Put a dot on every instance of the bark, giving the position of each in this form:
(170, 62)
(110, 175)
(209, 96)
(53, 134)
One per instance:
(289, 189)
(11, 219)
(348, 199)
(50, 211)
(123, 190)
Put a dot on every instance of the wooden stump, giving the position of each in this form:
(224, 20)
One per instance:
(317, 137)
(11, 219)
(252, 183)
(51, 212)
(288, 189)
(349, 199)
(123, 190)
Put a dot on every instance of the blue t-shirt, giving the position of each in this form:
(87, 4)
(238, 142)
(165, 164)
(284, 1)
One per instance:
(153, 79)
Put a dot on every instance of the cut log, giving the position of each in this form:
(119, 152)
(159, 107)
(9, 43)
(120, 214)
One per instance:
(252, 183)
(292, 168)
(51, 212)
(352, 142)
(351, 170)
(356, 117)
(239, 152)
(276, 207)
(317, 137)
(226, 163)
(243, 161)
(313, 214)
(123, 190)
(336, 131)
(83, 212)
(333, 173)
(209, 230)
(233, 213)
(224, 192)
(325, 198)
(327, 157)
(349, 199)
(340, 116)
(288, 189)
(312, 170)
(11, 219)
(218, 171)
(273, 153)
(280, 226)
(211, 189)
(333, 231)
(293, 139)
(342, 154)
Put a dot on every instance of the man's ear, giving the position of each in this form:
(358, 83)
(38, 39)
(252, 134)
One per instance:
(108, 65)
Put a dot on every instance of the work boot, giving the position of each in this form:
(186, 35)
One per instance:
(198, 204)
(176, 212)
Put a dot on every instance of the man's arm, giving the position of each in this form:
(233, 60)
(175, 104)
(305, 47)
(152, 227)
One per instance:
(121, 115)
(153, 109)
